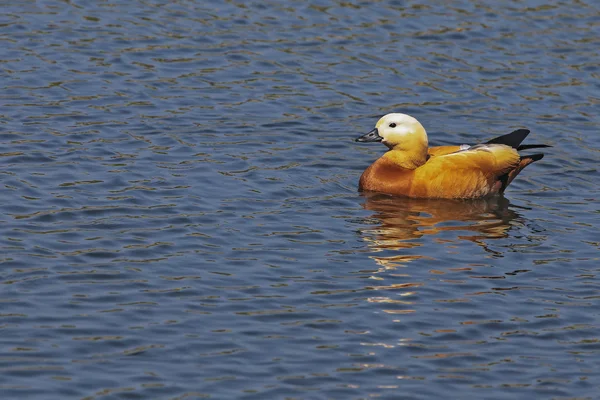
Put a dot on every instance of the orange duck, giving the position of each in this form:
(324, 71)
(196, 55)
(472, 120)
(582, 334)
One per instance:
(412, 168)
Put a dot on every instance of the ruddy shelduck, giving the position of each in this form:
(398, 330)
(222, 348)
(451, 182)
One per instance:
(411, 168)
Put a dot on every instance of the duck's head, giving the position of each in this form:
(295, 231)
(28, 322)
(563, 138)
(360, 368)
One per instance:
(398, 132)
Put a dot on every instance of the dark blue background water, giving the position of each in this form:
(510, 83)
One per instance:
(179, 215)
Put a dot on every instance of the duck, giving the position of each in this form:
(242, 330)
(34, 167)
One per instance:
(411, 168)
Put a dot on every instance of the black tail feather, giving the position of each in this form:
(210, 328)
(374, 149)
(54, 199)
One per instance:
(532, 146)
(512, 139)
(533, 157)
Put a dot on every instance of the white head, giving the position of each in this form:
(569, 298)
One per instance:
(397, 129)
(401, 133)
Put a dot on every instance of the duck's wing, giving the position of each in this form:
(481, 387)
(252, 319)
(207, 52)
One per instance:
(513, 139)
(474, 172)
(489, 158)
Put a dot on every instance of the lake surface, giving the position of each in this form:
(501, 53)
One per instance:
(179, 214)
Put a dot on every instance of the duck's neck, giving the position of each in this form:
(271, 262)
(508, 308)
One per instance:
(408, 157)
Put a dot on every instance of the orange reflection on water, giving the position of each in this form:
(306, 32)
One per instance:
(401, 225)
(402, 221)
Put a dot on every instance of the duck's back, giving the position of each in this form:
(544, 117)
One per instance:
(443, 150)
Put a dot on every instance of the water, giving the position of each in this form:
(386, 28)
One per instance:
(180, 219)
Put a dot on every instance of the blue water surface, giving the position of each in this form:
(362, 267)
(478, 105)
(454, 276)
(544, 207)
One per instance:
(179, 213)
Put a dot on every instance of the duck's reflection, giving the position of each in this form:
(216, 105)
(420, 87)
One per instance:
(424, 253)
(400, 223)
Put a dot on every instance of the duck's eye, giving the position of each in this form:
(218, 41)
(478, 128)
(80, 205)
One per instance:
(393, 125)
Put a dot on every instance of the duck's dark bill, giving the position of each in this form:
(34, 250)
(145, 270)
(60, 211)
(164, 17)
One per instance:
(372, 136)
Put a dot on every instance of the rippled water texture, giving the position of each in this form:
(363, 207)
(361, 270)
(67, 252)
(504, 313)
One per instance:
(180, 219)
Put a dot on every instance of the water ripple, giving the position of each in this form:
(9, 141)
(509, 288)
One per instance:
(180, 216)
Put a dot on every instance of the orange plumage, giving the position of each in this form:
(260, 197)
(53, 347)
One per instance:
(411, 168)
